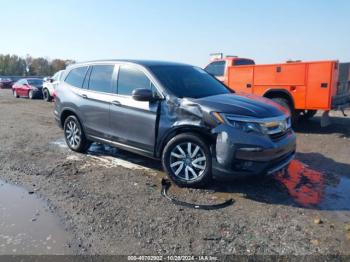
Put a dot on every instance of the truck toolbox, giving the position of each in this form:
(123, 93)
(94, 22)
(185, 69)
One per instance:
(301, 87)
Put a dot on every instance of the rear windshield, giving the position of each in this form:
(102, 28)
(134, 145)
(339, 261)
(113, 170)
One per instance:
(239, 62)
(188, 81)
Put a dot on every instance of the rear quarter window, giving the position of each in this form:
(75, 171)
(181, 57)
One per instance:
(76, 76)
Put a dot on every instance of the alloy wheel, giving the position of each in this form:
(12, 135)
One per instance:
(187, 161)
(73, 134)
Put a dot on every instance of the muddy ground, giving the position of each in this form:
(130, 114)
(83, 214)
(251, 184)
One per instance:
(110, 201)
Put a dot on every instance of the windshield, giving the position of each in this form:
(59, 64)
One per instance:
(35, 82)
(188, 81)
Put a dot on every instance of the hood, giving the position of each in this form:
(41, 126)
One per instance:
(241, 105)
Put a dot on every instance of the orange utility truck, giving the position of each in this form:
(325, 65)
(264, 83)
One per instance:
(301, 87)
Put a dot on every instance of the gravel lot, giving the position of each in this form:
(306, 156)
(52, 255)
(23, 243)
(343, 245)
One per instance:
(110, 200)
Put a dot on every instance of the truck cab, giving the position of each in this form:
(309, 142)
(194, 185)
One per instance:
(219, 65)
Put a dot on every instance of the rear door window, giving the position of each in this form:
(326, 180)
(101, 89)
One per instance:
(130, 78)
(76, 76)
(216, 68)
(101, 78)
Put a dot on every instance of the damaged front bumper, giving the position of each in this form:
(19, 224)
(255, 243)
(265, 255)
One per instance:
(238, 153)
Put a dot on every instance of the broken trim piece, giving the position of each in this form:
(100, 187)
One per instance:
(165, 187)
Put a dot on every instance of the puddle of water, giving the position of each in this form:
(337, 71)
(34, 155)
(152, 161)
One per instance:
(309, 187)
(122, 158)
(27, 227)
(110, 157)
(60, 143)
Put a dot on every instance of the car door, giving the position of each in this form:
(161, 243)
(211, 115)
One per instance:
(97, 95)
(22, 88)
(132, 122)
(25, 87)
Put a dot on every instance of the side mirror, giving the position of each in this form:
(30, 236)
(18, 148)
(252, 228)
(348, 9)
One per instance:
(51, 80)
(143, 94)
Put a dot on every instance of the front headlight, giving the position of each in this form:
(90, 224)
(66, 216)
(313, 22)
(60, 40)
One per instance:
(246, 126)
(266, 126)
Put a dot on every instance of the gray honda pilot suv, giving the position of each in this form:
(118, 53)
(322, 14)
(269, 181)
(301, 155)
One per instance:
(174, 112)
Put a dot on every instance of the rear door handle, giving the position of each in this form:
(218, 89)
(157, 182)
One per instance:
(84, 96)
(249, 85)
(116, 103)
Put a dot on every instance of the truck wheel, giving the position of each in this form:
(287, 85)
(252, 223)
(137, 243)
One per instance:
(46, 95)
(186, 159)
(307, 114)
(284, 102)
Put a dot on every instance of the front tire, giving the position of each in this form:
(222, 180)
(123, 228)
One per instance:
(46, 95)
(31, 94)
(74, 135)
(186, 159)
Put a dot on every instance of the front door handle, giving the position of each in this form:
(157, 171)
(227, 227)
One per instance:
(116, 103)
(84, 96)
(249, 85)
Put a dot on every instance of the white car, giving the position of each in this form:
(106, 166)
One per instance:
(50, 85)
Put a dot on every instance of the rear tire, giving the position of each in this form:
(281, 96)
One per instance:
(74, 135)
(186, 159)
(46, 95)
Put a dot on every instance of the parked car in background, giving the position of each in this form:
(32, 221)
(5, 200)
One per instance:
(177, 113)
(50, 85)
(28, 87)
(5, 82)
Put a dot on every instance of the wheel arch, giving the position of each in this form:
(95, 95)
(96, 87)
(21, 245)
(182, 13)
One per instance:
(67, 112)
(202, 132)
(280, 93)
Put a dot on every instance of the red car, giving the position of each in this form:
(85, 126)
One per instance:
(28, 87)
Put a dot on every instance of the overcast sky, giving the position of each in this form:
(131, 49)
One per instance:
(177, 30)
